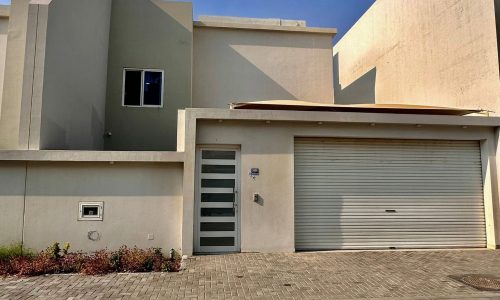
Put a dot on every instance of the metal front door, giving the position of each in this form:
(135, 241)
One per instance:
(217, 200)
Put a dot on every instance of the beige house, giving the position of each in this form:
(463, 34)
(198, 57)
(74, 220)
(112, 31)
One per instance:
(126, 122)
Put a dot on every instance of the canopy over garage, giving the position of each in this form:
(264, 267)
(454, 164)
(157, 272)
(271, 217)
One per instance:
(372, 108)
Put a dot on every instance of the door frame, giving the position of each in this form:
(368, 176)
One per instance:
(197, 198)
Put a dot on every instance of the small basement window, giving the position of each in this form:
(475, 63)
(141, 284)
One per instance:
(90, 211)
(143, 87)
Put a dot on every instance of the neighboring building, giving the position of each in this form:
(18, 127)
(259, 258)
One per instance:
(426, 52)
(116, 129)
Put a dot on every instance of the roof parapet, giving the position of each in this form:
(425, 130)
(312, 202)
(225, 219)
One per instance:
(253, 21)
(4, 11)
(261, 24)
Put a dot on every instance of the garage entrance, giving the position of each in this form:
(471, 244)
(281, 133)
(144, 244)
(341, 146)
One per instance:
(388, 194)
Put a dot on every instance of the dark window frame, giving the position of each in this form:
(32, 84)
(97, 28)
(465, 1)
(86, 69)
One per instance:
(143, 76)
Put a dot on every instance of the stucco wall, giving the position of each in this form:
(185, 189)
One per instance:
(424, 52)
(148, 34)
(231, 65)
(74, 75)
(4, 26)
(270, 226)
(139, 199)
(10, 113)
(12, 175)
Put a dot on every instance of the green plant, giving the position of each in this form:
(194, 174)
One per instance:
(13, 251)
(174, 262)
(54, 250)
(66, 248)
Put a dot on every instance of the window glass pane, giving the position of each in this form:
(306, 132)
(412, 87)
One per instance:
(217, 241)
(132, 95)
(217, 212)
(217, 183)
(217, 226)
(90, 211)
(212, 154)
(152, 88)
(216, 197)
(219, 169)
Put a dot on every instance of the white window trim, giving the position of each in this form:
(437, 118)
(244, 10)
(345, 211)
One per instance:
(99, 215)
(142, 87)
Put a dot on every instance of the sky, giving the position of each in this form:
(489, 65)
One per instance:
(341, 14)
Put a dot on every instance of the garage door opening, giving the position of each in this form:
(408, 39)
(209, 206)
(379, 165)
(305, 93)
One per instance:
(388, 194)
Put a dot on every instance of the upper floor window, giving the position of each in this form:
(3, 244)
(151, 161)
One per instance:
(143, 87)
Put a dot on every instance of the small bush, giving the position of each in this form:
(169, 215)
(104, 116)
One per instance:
(98, 263)
(174, 262)
(57, 260)
(13, 251)
(71, 262)
(138, 260)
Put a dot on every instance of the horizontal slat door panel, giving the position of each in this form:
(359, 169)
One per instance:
(374, 193)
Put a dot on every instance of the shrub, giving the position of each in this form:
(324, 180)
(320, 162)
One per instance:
(71, 262)
(56, 260)
(6, 268)
(98, 263)
(174, 262)
(14, 250)
(138, 260)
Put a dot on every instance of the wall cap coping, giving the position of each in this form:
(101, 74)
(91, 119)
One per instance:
(340, 117)
(4, 11)
(92, 156)
(230, 25)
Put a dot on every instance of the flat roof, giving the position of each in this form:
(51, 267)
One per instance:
(249, 26)
(369, 117)
(371, 108)
(4, 11)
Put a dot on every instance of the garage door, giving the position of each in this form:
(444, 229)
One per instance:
(374, 193)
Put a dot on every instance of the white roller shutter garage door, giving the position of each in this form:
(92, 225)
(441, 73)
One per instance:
(388, 194)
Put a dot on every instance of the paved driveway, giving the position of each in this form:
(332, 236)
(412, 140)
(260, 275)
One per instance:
(327, 275)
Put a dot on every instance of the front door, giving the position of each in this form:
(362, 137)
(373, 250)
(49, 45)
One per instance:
(217, 200)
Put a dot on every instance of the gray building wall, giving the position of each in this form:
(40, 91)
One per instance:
(424, 52)
(232, 65)
(39, 203)
(14, 74)
(12, 178)
(74, 77)
(148, 34)
(4, 27)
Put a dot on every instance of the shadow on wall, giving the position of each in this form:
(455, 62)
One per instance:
(231, 67)
(361, 91)
(133, 25)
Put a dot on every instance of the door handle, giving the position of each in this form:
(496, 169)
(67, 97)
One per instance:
(390, 210)
(235, 192)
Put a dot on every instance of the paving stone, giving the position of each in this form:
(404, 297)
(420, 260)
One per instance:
(310, 275)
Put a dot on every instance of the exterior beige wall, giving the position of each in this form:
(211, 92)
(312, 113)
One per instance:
(152, 34)
(4, 26)
(270, 147)
(14, 74)
(425, 52)
(231, 65)
(70, 90)
(139, 199)
(12, 175)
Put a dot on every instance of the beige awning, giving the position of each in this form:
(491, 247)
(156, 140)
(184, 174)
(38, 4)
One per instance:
(368, 108)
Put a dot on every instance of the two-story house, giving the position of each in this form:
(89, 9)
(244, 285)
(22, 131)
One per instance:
(128, 122)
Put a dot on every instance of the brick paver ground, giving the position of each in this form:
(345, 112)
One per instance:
(325, 275)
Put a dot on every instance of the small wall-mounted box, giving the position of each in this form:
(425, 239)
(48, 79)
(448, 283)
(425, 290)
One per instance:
(256, 197)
